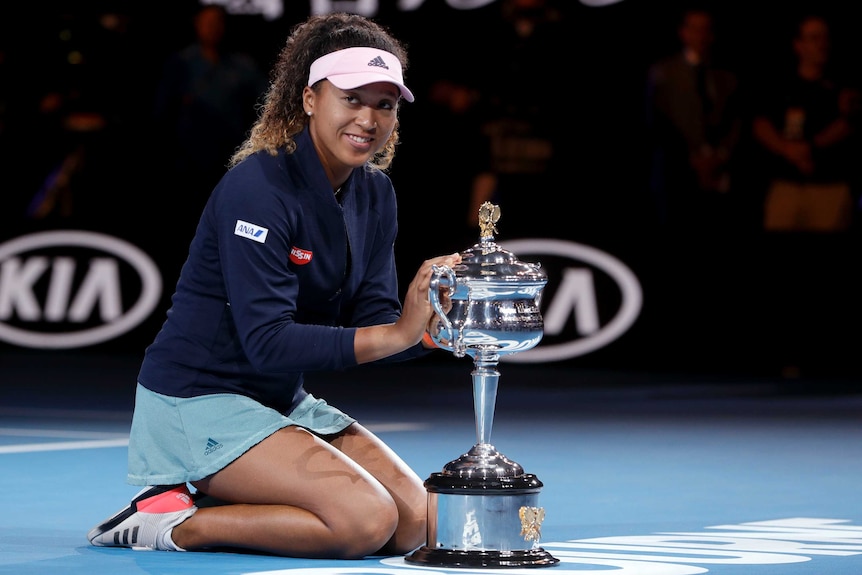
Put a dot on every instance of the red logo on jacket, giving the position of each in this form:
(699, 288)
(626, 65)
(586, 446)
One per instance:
(299, 256)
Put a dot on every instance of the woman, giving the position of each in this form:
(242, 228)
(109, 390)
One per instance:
(291, 269)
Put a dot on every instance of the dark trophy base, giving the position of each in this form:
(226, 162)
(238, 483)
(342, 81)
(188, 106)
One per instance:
(498, 559)
(476, 519)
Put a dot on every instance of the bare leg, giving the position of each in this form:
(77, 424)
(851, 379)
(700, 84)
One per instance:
(296, 495)
(400, 481)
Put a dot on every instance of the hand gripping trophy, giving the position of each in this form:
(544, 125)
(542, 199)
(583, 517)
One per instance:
(482, 508)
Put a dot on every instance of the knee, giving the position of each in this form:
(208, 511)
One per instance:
(368, 530)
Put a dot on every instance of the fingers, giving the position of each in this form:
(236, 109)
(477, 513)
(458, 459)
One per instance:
(418, 313)
(424, 272)
(449, 259)
(423, 276)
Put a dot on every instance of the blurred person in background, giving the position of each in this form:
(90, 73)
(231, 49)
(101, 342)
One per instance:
(205, 101)
(806, 124)
(522, 130)
(73, 114)
(468, 175)
(694, 126)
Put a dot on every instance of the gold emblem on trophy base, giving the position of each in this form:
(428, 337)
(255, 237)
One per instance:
(531, 522)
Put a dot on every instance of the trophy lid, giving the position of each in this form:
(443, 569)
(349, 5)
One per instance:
(487, 261)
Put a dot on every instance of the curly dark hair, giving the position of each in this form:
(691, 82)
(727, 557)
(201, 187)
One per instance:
(281, 116)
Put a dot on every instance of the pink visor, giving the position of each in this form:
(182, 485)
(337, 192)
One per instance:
(354, 67)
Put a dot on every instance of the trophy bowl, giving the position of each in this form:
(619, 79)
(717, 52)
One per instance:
(482, 508)
(494, 303)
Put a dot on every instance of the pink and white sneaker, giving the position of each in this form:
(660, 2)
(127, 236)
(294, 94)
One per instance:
(146, 523)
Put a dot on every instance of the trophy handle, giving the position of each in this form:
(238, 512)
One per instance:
(455, 343)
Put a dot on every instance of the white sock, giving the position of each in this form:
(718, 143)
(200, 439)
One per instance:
(168, 543)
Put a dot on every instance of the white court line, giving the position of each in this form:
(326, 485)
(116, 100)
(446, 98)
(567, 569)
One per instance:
(383, 427)
(96, 439)
(32, 432)
(64, 445)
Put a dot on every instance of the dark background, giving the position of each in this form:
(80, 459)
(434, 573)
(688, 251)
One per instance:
(727, 300)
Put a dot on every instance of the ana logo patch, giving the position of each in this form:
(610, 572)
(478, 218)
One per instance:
(299, 256)
(250, 231)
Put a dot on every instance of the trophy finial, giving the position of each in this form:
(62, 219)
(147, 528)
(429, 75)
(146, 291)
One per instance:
(489, 214)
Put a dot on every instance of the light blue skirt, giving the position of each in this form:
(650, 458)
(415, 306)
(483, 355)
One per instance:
(176, 439)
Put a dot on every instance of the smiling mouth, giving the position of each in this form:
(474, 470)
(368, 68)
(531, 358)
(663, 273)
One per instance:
(359, 139)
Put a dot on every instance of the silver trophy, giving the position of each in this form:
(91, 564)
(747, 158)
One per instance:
(483, 510)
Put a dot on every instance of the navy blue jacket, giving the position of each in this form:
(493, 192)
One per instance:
(278, 277)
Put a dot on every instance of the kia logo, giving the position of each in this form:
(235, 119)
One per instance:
(65, 289)
(591, 298)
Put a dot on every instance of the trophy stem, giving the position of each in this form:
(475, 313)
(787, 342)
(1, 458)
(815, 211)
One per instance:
(485, 381)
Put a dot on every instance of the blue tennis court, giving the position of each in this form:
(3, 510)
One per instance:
(642, 474)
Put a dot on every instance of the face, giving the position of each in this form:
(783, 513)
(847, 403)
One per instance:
(349, 126)
(696, 32)
(812, 42)
(210, 25)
